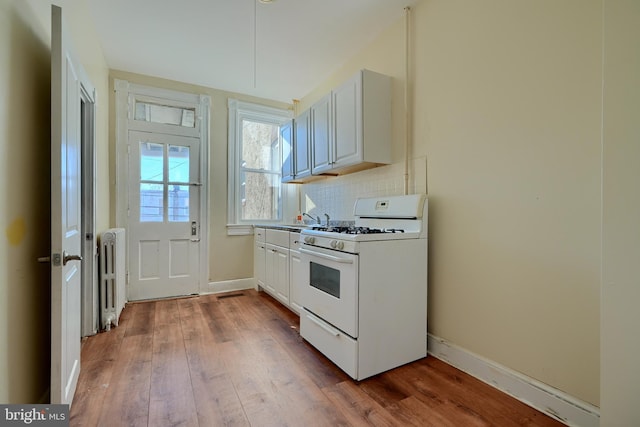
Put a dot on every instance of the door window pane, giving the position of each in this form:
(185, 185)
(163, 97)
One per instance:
(151, 202)
(165, 114)
(178, 163)
(178, 203)
(151, 162)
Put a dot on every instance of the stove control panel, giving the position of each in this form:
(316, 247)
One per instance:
(336, 244)
(382, 205)
(331, 243)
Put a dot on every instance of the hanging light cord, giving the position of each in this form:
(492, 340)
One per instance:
(255, 39)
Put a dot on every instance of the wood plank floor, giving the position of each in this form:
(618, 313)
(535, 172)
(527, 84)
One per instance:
(237, 359)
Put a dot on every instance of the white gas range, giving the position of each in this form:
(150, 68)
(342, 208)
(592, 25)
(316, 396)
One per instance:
(364, 287)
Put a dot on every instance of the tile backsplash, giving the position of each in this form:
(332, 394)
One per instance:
(336, 196)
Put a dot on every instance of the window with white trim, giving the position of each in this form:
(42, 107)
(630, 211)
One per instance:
(255, 165)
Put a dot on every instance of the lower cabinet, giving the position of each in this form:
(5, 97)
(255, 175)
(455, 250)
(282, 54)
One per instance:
(259, 254)
(277, 272)
(276, 267)
(295, 280)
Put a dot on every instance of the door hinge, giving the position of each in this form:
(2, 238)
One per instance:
(127, 277)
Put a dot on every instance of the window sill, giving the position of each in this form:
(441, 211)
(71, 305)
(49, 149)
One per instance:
(239, 229)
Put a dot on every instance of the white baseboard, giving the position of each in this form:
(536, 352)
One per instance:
(228, 285)
(553, 402)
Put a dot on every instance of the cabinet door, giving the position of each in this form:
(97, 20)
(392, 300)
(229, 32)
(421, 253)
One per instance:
(302, 155)
(296, 276)
(259, 260)
(286, 142)
(347, 122)
(270, 272)
(281, 274)
(321, 135)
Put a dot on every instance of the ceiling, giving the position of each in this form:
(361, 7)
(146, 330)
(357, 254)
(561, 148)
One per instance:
(278, 51)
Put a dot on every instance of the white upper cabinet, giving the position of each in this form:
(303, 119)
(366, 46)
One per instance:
(347, 130)
(286, 142)
(347, 119)
(361, 116)
(302, 152)
(322, 135)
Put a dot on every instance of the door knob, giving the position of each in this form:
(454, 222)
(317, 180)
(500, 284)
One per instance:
(66, 258)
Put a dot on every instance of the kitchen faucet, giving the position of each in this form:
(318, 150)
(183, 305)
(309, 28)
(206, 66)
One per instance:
(317, 219)
(327, 215)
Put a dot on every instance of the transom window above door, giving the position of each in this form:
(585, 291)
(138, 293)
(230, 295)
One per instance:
(165, 114)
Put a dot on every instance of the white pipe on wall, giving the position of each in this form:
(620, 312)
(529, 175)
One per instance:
(407, 135)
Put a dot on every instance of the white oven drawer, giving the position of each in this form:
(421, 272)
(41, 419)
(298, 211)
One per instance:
(340, 348)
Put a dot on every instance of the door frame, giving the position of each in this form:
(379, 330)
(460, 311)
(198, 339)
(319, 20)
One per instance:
(125, 93)
(90, 291)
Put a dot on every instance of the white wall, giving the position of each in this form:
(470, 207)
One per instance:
(620, 383)
(24, 221)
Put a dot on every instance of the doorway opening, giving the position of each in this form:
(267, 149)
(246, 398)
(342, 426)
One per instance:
(161, 189)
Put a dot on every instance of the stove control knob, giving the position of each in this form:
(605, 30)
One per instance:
(333, 244)
(309, 240)
(340, 245)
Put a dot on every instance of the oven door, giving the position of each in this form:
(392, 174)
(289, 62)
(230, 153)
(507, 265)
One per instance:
(330, 287)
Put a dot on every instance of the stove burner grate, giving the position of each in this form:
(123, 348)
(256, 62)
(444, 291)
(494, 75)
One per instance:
(358, 230)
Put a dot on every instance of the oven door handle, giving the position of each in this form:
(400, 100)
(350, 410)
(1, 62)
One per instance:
(325, 256)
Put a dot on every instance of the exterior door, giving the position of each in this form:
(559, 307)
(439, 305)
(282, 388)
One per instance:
(67, 83)
(164, 215)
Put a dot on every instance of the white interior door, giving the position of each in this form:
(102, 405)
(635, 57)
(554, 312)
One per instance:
(164, 215)
(66, 229)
